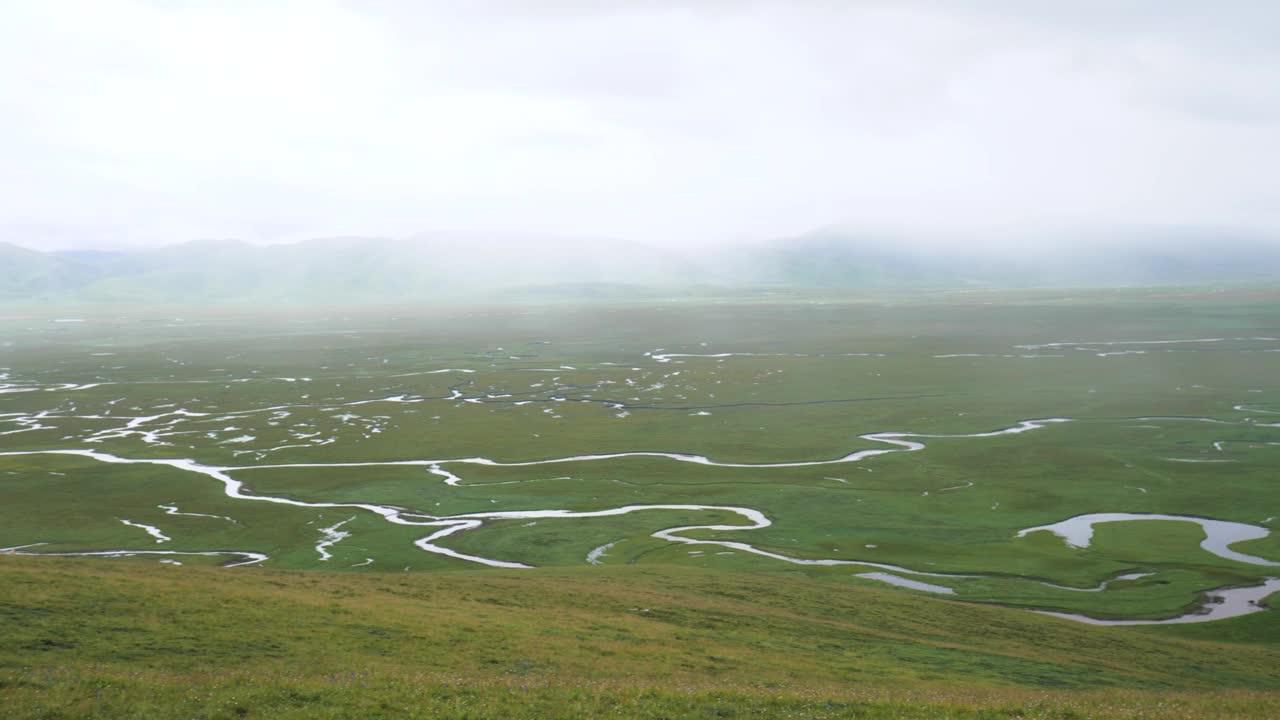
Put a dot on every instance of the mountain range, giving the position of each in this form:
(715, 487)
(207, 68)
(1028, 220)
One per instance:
(489, 267)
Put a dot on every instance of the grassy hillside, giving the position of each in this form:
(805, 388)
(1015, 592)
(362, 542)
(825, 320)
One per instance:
(133, 639)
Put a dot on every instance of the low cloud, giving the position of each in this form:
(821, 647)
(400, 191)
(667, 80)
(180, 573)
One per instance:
(127, 122)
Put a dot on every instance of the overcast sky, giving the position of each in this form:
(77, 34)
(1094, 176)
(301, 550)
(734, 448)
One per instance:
(128, 122)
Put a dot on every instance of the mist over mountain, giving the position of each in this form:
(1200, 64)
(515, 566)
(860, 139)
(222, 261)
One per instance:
(490, 267)
(1091, 257)
(335, 270)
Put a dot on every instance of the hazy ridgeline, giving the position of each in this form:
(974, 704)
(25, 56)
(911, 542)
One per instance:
(460, 268)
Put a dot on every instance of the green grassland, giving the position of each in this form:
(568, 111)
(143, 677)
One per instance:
(292, 401)
(90, 638)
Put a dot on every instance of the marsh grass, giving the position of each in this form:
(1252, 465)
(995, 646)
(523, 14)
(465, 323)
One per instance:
(656, 631)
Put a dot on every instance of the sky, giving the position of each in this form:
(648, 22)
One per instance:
(679, 124)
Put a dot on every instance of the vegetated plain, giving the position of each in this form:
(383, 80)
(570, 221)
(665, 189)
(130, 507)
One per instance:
(734, 405)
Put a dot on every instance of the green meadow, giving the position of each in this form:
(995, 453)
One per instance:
(350, 435)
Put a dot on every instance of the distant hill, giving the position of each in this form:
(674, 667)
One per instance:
(340, 270)
(29, 274)
(444, 267)
(1113, 258)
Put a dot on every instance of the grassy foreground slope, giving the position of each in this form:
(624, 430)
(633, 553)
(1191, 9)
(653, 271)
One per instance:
(128, 639)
